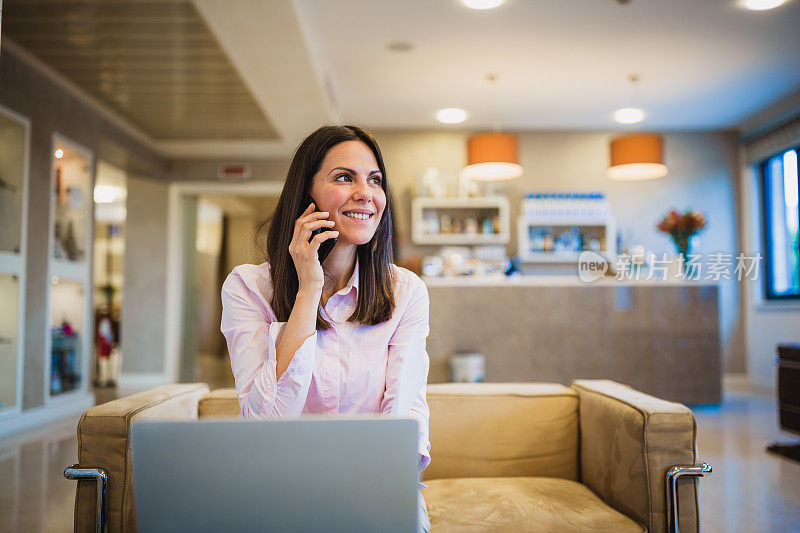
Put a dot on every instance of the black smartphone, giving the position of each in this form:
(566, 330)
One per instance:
(328, 244)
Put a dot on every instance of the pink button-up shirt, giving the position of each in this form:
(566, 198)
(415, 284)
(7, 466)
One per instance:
(349, 368)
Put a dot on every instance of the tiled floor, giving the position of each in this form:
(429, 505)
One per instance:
(749, 490)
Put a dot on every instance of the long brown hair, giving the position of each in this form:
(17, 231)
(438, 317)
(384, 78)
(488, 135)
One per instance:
(375, 302)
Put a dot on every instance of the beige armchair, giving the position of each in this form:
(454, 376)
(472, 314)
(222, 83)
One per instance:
(596, 456)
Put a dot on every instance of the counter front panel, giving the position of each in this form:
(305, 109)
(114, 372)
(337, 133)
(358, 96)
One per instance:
(663, 340)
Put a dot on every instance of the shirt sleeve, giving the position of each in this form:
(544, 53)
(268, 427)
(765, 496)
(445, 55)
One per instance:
(407, 372)
(251, 337)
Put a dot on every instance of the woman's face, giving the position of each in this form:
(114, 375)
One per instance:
(349, 182)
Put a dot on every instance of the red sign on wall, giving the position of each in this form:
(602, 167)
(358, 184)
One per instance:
(234, 171)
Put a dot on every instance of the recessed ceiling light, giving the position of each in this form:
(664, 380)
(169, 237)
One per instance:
(629, 115)
(400, 46)
(59, 153)
(761, 5)
(451, 115)
(482, 4)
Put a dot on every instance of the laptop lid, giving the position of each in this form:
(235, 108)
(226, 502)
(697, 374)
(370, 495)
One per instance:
(308, 474)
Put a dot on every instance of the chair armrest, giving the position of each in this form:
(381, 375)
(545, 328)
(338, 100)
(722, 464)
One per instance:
(629, 440)
(100, 477)
(104, 446)
(674, 474)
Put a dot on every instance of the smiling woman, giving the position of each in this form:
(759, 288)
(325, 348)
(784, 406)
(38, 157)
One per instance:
(335, 336)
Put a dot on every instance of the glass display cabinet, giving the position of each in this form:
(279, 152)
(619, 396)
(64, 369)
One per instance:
(69, 339)
(14, 143)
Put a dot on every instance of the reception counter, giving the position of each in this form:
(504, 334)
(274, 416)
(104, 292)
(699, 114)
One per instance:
(661, 337)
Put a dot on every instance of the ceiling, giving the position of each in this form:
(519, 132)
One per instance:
(703, 64)
(157, 64)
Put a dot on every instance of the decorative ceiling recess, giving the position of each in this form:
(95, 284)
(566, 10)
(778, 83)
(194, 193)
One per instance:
(156, 63)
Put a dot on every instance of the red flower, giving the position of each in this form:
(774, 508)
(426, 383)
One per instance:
(681, 226)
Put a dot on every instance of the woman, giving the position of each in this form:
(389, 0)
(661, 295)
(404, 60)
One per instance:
(306, 337)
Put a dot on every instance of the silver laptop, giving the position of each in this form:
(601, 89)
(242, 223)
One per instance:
(308, 474)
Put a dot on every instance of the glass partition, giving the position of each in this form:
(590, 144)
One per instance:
(72, 177)
(9, 348)
(13, 179)
(70, 322)
(67, 321)
(12, 173)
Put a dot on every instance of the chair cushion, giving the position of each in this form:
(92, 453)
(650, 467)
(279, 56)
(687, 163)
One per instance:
(219, 403)
(520, 504)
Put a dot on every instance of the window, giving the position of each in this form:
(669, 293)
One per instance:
(781, 222)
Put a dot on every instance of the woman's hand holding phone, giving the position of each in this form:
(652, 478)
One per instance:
(304, 253)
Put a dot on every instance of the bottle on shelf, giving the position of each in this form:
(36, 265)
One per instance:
(548, 243)
(471, 226)
(445, 224)
(487, 225)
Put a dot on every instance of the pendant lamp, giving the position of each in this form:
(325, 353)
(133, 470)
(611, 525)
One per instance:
(637, 156)
(492, 156)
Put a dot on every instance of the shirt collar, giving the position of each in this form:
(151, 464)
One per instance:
(353, 283)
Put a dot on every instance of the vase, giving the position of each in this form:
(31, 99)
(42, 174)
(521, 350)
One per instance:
(684, 247)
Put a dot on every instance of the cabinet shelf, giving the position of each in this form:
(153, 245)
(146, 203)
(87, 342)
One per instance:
(10, 263)
(530, 230)
(68, 270)
(430, 214)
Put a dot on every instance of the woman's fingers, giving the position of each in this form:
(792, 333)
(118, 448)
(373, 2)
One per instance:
(317, 240)
(306, 217)
(305, 250)
(309, 227)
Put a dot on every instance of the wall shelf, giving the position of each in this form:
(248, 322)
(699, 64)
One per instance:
(471, 221)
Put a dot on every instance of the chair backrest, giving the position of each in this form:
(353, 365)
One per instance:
(219, 403)
(503, 429)
(483, 429)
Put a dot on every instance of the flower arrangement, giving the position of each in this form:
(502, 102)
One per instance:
(682, 227)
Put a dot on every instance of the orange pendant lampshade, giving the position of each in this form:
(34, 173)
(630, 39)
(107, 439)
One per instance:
(492, 157)
(637, 156)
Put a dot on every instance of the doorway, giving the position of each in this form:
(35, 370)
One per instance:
(216, 226)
